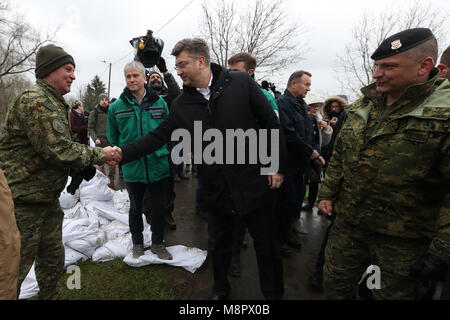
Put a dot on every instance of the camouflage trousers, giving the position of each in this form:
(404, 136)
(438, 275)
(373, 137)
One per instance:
(351, 249)
(40, 228)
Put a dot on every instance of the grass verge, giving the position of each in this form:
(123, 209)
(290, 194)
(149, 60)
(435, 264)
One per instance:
(115, 280)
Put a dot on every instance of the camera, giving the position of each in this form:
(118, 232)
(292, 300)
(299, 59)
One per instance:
(148, 49)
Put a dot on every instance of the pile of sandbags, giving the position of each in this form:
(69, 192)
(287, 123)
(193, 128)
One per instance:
(96, 227)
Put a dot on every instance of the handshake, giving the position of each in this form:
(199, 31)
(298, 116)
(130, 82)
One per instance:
(113, 155)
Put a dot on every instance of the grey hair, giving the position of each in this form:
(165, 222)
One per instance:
(134, 65)
(297, 75)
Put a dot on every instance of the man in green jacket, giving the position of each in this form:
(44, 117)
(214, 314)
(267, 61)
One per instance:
(138, 111)
(245, 62)
(388, 180)
(36, 153)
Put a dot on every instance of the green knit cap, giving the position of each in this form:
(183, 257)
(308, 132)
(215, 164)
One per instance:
(49, 58)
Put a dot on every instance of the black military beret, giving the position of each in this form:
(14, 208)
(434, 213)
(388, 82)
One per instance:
(401, 42)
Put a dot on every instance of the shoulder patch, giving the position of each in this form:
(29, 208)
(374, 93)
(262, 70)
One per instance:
(49, 105)
(58, 126)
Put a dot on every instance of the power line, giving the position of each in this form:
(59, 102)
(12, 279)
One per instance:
(184, 8)
(175, 16)
(117, 61)
(101, 75)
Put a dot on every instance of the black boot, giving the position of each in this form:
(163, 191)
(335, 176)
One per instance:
(235, 267)
(315, 281)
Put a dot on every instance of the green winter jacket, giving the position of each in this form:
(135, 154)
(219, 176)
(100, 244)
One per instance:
(272, 101)
(390, 171)
(127, 122)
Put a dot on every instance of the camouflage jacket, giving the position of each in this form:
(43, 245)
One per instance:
(390, 170)
(36, 147)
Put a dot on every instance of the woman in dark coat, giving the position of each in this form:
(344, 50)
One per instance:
(78, 123)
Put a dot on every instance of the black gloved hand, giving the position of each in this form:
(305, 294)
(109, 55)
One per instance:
(162, 65)
(77, 178)
(78, 175)
(89, 172)
(429, 267)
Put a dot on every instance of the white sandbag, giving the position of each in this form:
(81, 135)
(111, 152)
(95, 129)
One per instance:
(96, 189)
(75, 213)
(67, 200)
(117, 248)
(122, 201)
(106, 210)
(122, 245)
(82, 235)
(115, 230)
(76, 229)
(188, 258)
(29, 287)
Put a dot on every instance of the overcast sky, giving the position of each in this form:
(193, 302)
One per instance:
(95, 31)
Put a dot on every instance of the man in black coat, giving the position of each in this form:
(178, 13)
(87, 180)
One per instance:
(298, 131)
(223, 100)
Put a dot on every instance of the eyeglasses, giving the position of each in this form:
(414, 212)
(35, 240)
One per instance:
(333, 106)
(183, 64)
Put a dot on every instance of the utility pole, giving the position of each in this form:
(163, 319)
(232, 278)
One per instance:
(109, 80)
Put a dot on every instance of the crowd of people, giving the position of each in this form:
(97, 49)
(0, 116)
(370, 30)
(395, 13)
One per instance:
(378, 168)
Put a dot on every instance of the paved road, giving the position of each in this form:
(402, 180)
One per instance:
(192, 231)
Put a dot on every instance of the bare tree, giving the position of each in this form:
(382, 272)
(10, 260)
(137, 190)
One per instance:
(262, 29)
(354, 67)
(10, 87)
(219, 26)
(19, 43)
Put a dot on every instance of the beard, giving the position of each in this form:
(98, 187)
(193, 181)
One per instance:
(157, 86)
(334, 114)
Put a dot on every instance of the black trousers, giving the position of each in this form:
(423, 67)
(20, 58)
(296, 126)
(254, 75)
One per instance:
(238, 236)
(157, 198)
(321, 256)
(313, 188)
(261, 225)
(289, 204)
(170, 205)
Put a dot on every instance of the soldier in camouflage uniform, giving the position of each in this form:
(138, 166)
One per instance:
(388, 180)
(36, 153)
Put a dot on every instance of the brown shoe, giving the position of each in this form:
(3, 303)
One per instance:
(160, 251)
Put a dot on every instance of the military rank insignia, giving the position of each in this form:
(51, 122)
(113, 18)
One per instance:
(395, 45)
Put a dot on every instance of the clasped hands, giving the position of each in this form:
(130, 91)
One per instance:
(113, 155)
